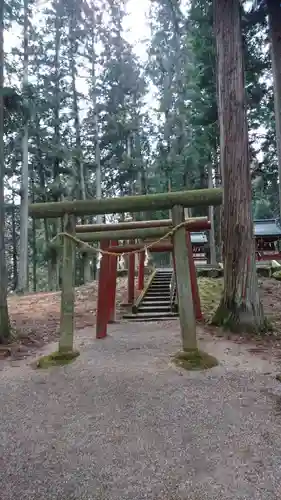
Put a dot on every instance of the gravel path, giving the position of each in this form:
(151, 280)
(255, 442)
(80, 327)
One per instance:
(121, 423)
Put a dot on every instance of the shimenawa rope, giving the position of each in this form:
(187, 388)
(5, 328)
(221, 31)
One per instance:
(84, 244)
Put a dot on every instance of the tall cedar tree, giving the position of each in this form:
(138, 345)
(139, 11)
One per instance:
(5, 330)
(240, 308)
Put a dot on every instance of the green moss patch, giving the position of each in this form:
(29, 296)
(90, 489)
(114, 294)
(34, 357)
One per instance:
(209, 272)
(194, 360)
(210, 291)
(56, 359)
(277, 275)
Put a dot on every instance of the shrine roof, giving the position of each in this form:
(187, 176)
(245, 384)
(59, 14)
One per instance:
(267, 227)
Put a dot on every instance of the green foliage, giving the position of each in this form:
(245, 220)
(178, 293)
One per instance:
(83, 71)
(277, 275)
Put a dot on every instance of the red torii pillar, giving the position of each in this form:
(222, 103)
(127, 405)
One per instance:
(102, 302)
(131, 277)
(141, 271)
(112, 284)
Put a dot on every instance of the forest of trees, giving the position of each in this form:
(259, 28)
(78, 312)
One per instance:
(75, 122)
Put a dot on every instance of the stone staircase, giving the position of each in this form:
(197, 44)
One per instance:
(155, 304)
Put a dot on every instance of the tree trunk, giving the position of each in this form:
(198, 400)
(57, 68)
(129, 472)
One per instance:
(5, 329)
(274, 15)
(23, 253)
(54, 265)
(240, 308)
(52, 260)
(96, 118)
(96, 115)
(217, 212)
(212, 240)
(34, 245)
(78, 160)
(15, 252)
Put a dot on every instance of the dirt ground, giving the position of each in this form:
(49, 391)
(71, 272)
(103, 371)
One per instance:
(35, 317)
(123, 423)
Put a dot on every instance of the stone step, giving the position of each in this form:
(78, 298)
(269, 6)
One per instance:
(160, 278)
(151, 317)
(159, 285)
(159, 289)
(156, 305)
(150, 302)
(154, 309)
(164, 295)
(157, 296)
(165, 289)
(163, 278)
(163, 274)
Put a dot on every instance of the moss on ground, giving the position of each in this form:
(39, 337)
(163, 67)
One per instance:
(210, 290)
(277, 275)
(56, 359)
(194, 360)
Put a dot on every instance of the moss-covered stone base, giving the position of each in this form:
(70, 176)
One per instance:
(194, 360)
(56, 359)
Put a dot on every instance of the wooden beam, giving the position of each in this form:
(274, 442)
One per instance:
(160, 201)
(67, 290)
(126, 234)
(193, 279)
(193, 224)
(184, 291)
(159, 247)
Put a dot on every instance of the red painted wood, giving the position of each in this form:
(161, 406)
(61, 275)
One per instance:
(193, 279)
(159, 247)
(141, 271)
(112, 284)
(102, 302)
(131, 278)
(268, 256)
